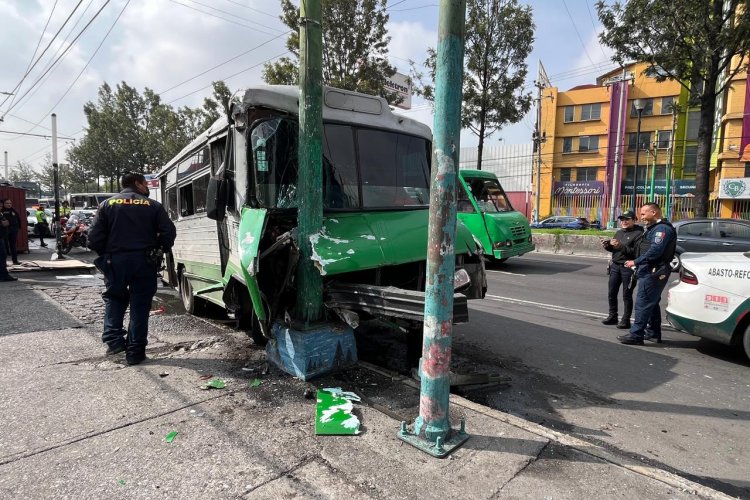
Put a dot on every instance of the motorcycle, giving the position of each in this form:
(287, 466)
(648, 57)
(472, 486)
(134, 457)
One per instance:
(74, 235)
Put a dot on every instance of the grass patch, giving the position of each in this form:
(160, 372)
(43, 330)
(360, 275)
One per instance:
(593, 232)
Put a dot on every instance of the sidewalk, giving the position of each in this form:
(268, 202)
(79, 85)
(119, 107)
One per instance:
(77, 424)
(40, 259)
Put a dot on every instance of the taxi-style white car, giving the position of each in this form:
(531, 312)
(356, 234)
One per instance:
(712, 299)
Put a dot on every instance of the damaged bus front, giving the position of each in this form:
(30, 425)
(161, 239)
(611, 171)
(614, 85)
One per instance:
(233, 196)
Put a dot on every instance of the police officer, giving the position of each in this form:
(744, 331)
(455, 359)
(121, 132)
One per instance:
(128, 232)
(42, 226)
(622, 246)
(656, 250)
(4, 225)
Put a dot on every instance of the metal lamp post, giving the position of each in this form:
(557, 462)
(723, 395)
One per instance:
(639, 104)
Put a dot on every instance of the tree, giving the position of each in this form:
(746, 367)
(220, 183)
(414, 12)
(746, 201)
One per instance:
(218, 105)
(688, 41)
(499, 38)
(22, 171)
(355, 47)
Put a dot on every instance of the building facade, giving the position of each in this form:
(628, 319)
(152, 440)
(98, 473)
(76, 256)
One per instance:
(590, 147)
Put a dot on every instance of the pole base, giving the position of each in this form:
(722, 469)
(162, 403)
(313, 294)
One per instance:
(440, 448)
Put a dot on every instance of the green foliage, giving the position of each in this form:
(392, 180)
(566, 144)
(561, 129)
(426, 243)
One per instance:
(128, 130)
(22, 171)
(355, 47)
(499, 38)
(692, 42)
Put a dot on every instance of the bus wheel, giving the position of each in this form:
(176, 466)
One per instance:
(186, 294)
(746, 341)
(500, 261)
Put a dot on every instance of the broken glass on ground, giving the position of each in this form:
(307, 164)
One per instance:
(333, 413)
(170, 437)
(214, 384)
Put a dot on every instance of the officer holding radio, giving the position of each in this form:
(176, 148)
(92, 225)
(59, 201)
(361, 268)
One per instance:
(622, 247)
(129, 233)
(652, 267)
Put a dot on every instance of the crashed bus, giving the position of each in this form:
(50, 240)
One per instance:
(232, 194)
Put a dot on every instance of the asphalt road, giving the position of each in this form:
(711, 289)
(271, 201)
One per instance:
(683, 404)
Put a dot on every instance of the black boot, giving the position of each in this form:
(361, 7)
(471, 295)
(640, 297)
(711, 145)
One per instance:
(610, 320)
(624, 323)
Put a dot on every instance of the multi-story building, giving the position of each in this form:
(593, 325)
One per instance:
(591, 146)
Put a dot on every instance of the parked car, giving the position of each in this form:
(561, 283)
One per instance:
(711, 235)
(563, 222)
(712, 300)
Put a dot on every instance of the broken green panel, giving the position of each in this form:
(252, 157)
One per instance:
(216, 383)
(255, 382)
(333, 413)
(170, 437)
(121, 482)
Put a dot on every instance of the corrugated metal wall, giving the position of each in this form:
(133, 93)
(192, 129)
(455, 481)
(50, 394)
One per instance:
(512, 164)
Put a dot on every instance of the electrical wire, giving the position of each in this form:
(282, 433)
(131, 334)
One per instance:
(224, 18)
(61, 55)
(253, 9)
(234, 15)
(585, 51)
(591, 16)
(18, 85)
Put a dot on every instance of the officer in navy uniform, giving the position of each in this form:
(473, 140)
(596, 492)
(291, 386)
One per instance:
(656, 250)
(623, 249)
(129, 232)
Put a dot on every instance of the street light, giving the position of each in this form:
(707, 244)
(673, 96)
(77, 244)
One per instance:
(639, 105)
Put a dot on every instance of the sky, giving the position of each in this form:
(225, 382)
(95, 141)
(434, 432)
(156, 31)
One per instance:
(178, 47)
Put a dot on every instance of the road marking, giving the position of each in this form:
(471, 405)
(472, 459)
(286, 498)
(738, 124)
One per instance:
(505, 272)
(542, 305)
(550, 307)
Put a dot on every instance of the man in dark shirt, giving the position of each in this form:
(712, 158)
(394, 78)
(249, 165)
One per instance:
(128, 232)
(4, 225)
(623, 249)
(15, 225)
(655, 252)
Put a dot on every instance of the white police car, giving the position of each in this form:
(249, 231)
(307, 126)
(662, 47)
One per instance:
(712, 299)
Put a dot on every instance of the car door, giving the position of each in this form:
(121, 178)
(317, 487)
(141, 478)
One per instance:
(697, 236)
(734, 236)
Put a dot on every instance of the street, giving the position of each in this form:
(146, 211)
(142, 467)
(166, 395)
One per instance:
(684, 403)
(682, 406)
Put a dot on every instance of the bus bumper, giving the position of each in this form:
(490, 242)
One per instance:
(513, 251)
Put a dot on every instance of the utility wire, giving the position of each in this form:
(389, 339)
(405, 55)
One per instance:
(233, 15)
(61, 55)
(225, 19)
(43, 52)
(593, 23)
(577, 33)
(253, 9)
(32, 135)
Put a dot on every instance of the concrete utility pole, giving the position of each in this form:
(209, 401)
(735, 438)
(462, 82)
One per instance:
(56, 182)
(670, 157)
(310, 197)
(6, 167)
(432, 430)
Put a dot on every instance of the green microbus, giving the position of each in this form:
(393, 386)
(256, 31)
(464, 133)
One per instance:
(485, 209)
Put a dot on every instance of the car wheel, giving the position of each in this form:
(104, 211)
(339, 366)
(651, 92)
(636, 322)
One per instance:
(675, 264)
(746, 341)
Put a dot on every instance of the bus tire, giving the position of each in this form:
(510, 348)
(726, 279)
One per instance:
(249, 320)
(186, 294)
(746, 341)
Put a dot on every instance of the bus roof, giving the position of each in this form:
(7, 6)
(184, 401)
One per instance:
(339, 105)
(482, 174)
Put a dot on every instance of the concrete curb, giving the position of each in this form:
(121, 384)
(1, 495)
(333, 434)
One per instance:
(580, 445)
(570, 244)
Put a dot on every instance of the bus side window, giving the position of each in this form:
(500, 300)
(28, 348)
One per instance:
(200, 186)
(172, 203)
(186, 200)
(464, 204)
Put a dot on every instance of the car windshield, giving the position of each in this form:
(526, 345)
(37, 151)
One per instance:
(489, 195)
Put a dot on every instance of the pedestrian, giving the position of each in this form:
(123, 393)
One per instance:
(622, 247)
(15, 224)
(42, 226)
(129, 233)
(4, 225)
(652, 267)
(65, 209)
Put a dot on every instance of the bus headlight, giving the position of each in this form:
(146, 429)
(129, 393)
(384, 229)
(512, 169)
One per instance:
(461, 280)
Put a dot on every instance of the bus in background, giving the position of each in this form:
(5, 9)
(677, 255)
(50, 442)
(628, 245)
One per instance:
(232, 194)
(87, 201)
(485, 209)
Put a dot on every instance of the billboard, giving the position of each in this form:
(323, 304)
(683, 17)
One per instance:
(400, 84)
(735, 189)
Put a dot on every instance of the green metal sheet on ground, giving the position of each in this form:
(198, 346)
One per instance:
(333, 413)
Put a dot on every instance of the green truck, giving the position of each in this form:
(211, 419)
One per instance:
(485, 209)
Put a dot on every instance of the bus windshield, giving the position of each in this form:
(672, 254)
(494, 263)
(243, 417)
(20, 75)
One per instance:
(489, 195)
(362, 167)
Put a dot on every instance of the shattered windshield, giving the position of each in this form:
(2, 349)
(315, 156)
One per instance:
(362, 168)
(489, 195)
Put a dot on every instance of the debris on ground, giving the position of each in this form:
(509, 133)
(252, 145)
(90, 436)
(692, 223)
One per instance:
(170, 437)
(255, 382)
(333, 413)
(216, 383)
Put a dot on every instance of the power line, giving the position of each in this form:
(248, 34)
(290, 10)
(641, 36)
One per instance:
(32, 135)
(591, 16)
(61, 55)
(577, 33)
(393, 5)
(234, 15)
(253, 9)
(84, 68)
(42, 54)
(416, 8)
(227, 20)
(223, 63)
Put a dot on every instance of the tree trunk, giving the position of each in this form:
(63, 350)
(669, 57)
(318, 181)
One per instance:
(480, 147)
(703, 157)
